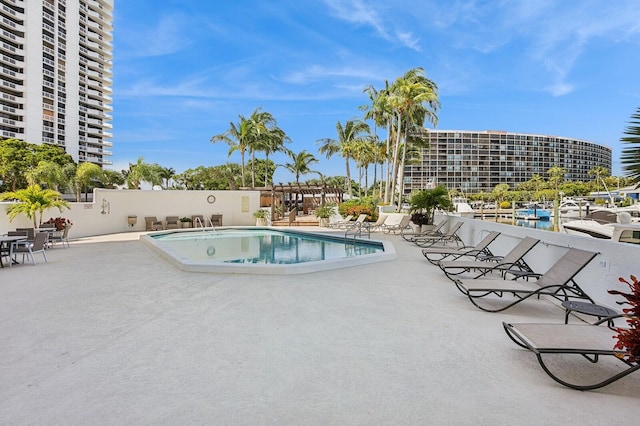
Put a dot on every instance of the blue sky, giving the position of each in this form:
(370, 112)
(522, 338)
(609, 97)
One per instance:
(185, 69)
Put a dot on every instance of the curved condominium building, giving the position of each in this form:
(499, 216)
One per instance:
(477, 161)
(55, 74)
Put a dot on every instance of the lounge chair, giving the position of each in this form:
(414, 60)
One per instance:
(172, 222)
(558, 282)
(511, 261)
(27, 248)
(378, 223)
(588, 341)
(436, 254)
(451, 236)
(352, 224)
(399, 227)
(411, 236)
(152, 224)
(340, 222)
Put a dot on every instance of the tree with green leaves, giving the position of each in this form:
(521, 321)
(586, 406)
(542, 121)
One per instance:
(49, 174)
(404, 106)
(16, 157)
(630, 157)
(301, 164)
(238, 137)
(112, 178)
(599, 172)
(32, 202)
(166, 173)
(353, 132)
(86, 173)
(556, 177)
(143, 172)
(428, 200)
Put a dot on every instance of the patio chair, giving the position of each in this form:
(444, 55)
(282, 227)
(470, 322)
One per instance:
(172, 222)
(558, 282)
(436, 254)
(339, 222)
(512, 261)
(411, 236)
(216, 220)
(61, 237)
(27, 248)
(197, 220)
(398, 227)
(152, 224)
(451, 236)
(31, 234)
(590, 341)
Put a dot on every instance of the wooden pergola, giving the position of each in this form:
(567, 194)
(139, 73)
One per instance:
(312, 196)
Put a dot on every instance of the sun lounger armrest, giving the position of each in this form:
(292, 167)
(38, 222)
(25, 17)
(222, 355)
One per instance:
(522, 274)
(490, 258)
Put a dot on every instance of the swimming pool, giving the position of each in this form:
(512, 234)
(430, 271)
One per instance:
(264, 251)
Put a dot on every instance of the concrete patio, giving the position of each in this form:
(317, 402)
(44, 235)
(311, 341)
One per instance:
(108, 333)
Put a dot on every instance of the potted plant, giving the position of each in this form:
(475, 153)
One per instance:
(425, 203)
(185, 222)
(629, 338)
(324, 213)
(261, 217)
(59, 222)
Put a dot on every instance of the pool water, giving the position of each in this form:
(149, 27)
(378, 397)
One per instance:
(220, 249)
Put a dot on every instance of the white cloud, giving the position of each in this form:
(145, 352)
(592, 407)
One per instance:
(367, 13)
(164, 38)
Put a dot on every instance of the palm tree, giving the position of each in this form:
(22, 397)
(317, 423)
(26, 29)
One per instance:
(85, 174)
(348, 135)
(143, 172)
(381, 113)
(300, 164)
(166, 173)
(260, 125)
(238, 137)
(48, 173)
(364, 154)
(630, 157)
(32, 202)
(414, 100)
(556, 176)
(599, 172)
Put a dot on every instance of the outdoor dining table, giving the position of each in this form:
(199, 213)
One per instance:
(6, 241)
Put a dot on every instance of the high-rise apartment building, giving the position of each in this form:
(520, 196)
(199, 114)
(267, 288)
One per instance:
(55, 74)
(477, 161)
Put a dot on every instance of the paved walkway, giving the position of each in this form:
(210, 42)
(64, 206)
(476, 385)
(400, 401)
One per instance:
(108, 333)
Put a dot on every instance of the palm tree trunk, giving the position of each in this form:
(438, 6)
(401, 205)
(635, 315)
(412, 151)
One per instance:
(396, 155)
(348, 170)
(242, 166)
(387, 160)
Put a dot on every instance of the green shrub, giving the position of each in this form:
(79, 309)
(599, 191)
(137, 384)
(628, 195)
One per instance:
(356, 207)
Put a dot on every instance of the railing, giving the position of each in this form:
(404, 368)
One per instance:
(356, 230)
(202, 224)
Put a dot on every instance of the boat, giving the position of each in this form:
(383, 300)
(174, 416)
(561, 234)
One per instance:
(462, 207)
(571, 208)
(604, 224)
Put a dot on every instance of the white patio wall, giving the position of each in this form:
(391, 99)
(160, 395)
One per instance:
(109, 212)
